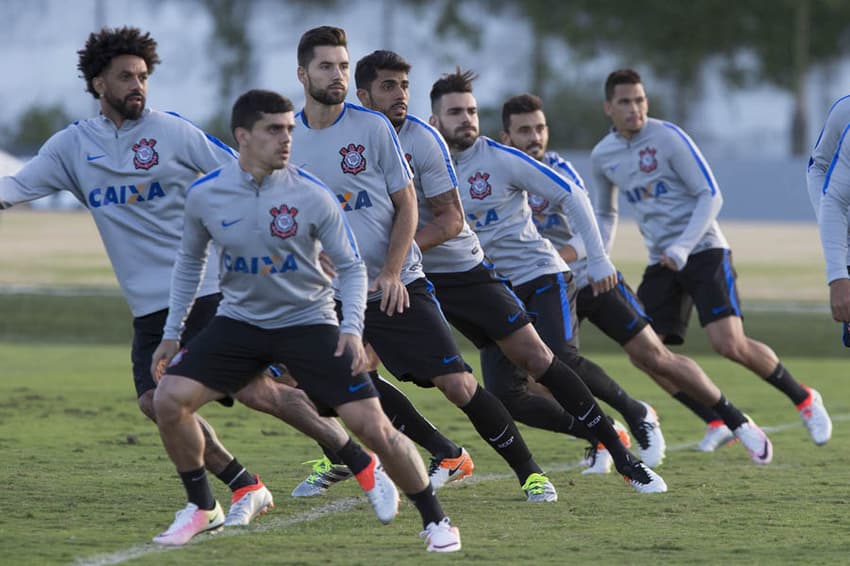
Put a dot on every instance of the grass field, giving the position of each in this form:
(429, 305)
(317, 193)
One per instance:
(87, 481)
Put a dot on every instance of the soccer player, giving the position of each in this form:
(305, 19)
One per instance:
(827, 180)
(663, 175)
(618, 313)
(356, 152)
(495, 204)
(130, 166)
(269, 221)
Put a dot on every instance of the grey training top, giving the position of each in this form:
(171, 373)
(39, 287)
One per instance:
(826, 167)
(269, 237)
(668, 182)
(360, 158)
(434, 174)
(554, 225)
(494, 179)
(133, 181)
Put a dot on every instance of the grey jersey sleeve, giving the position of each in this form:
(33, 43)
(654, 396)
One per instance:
(834, 206)
(188, 272)
(43, 175)
(688, 162)
(607, 212)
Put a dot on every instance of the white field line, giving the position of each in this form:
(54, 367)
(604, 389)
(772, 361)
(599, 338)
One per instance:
(349, 503)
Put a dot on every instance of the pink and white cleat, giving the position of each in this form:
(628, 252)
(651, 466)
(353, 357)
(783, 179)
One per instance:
(189, 522)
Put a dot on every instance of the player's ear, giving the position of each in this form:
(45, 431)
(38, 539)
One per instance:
(301, 73)
(99, 85)
(433, 121)
(505, 137)
(363, 96)
(241, 135)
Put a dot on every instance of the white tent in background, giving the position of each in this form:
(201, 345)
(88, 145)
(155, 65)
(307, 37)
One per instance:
(9, 164)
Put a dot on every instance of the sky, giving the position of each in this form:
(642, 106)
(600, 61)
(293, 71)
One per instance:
(39, 40)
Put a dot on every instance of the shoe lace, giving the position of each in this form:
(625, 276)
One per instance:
(637, 473)
(240, 507)
(432, 527)
(181, 517)
(433, 466)
(320, 468)
(642, 433)
(590, 454)
(535, 484)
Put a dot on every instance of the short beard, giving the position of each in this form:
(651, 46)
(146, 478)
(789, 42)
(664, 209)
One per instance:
(324, 97)
(461, 142)
(123, 109)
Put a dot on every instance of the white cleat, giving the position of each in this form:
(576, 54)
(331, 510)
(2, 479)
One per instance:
(717, 434)
(643, 479)
(189, 522)
(247, 503)
(650, 439)
(380, 490)
(814, 415)
(755, 441)
(441, 537)
(598, 459)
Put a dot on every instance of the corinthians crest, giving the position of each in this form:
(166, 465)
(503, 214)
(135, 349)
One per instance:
(648, 163)
(353, 160)
(145, 155)
(537, 203)
(479, 187)
(284, 224)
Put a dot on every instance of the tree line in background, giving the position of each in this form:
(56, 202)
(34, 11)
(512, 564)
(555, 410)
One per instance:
(752, 42)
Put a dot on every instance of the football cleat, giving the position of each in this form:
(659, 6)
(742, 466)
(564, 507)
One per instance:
(189, 522)
(441, 537)
(643, 479)
(324, 475)
(248, 502)
(537, 487)
(814, 415)
(447, 470)
(598, 459)
(755, 441)
(650, 439)
(380, 490)
(717, 434)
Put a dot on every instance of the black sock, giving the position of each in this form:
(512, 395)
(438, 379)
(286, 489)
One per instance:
(410, 422)
(428, 505)
(729, 413)
(604, 388)
(495, 425)
(575, 397)
(198, 488)
(543, 412)
(353, 455)
(235, 476)
(782, 380)
(705, 413)
(331, 455)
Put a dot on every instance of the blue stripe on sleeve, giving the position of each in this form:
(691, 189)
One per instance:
(548, 171)
(214, 140)
(834, 159)
(440, 142)
(831, 108)
(562, 164)
(209, 176)
(695, 152)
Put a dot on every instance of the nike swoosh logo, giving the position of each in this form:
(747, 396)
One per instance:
(90, 157)
(450, 360)
(357, 386)
(613, 168)
(512, 318)
(718, 310)
(225, 224)
(500, 435)
(763, 455)
(581, 418)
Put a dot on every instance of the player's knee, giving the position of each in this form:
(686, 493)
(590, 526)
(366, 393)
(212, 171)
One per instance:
(457, 387)
(167, 407)
(145, 402)
(729, 347)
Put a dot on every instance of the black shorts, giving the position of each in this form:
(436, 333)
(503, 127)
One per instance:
(551, 302)
(617, 313)
(147, 334)
(228, 353)
(480, 304)
(416, 345)
(707, 281)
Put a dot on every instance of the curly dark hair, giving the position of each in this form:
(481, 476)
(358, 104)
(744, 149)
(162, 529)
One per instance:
(108, 43)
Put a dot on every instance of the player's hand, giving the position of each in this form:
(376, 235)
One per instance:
(394, 297)
(839, 300)
(354, 344)
(327, 264)
(603, 285)
(166, 350)
(669, 263)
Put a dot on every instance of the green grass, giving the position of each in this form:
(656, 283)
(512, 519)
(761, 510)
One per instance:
(87, 480)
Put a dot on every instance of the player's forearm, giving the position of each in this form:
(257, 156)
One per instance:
(703, 216)
(403, 230)
(185, 280)
(353, 283)
(833, 234)
(445, 226)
